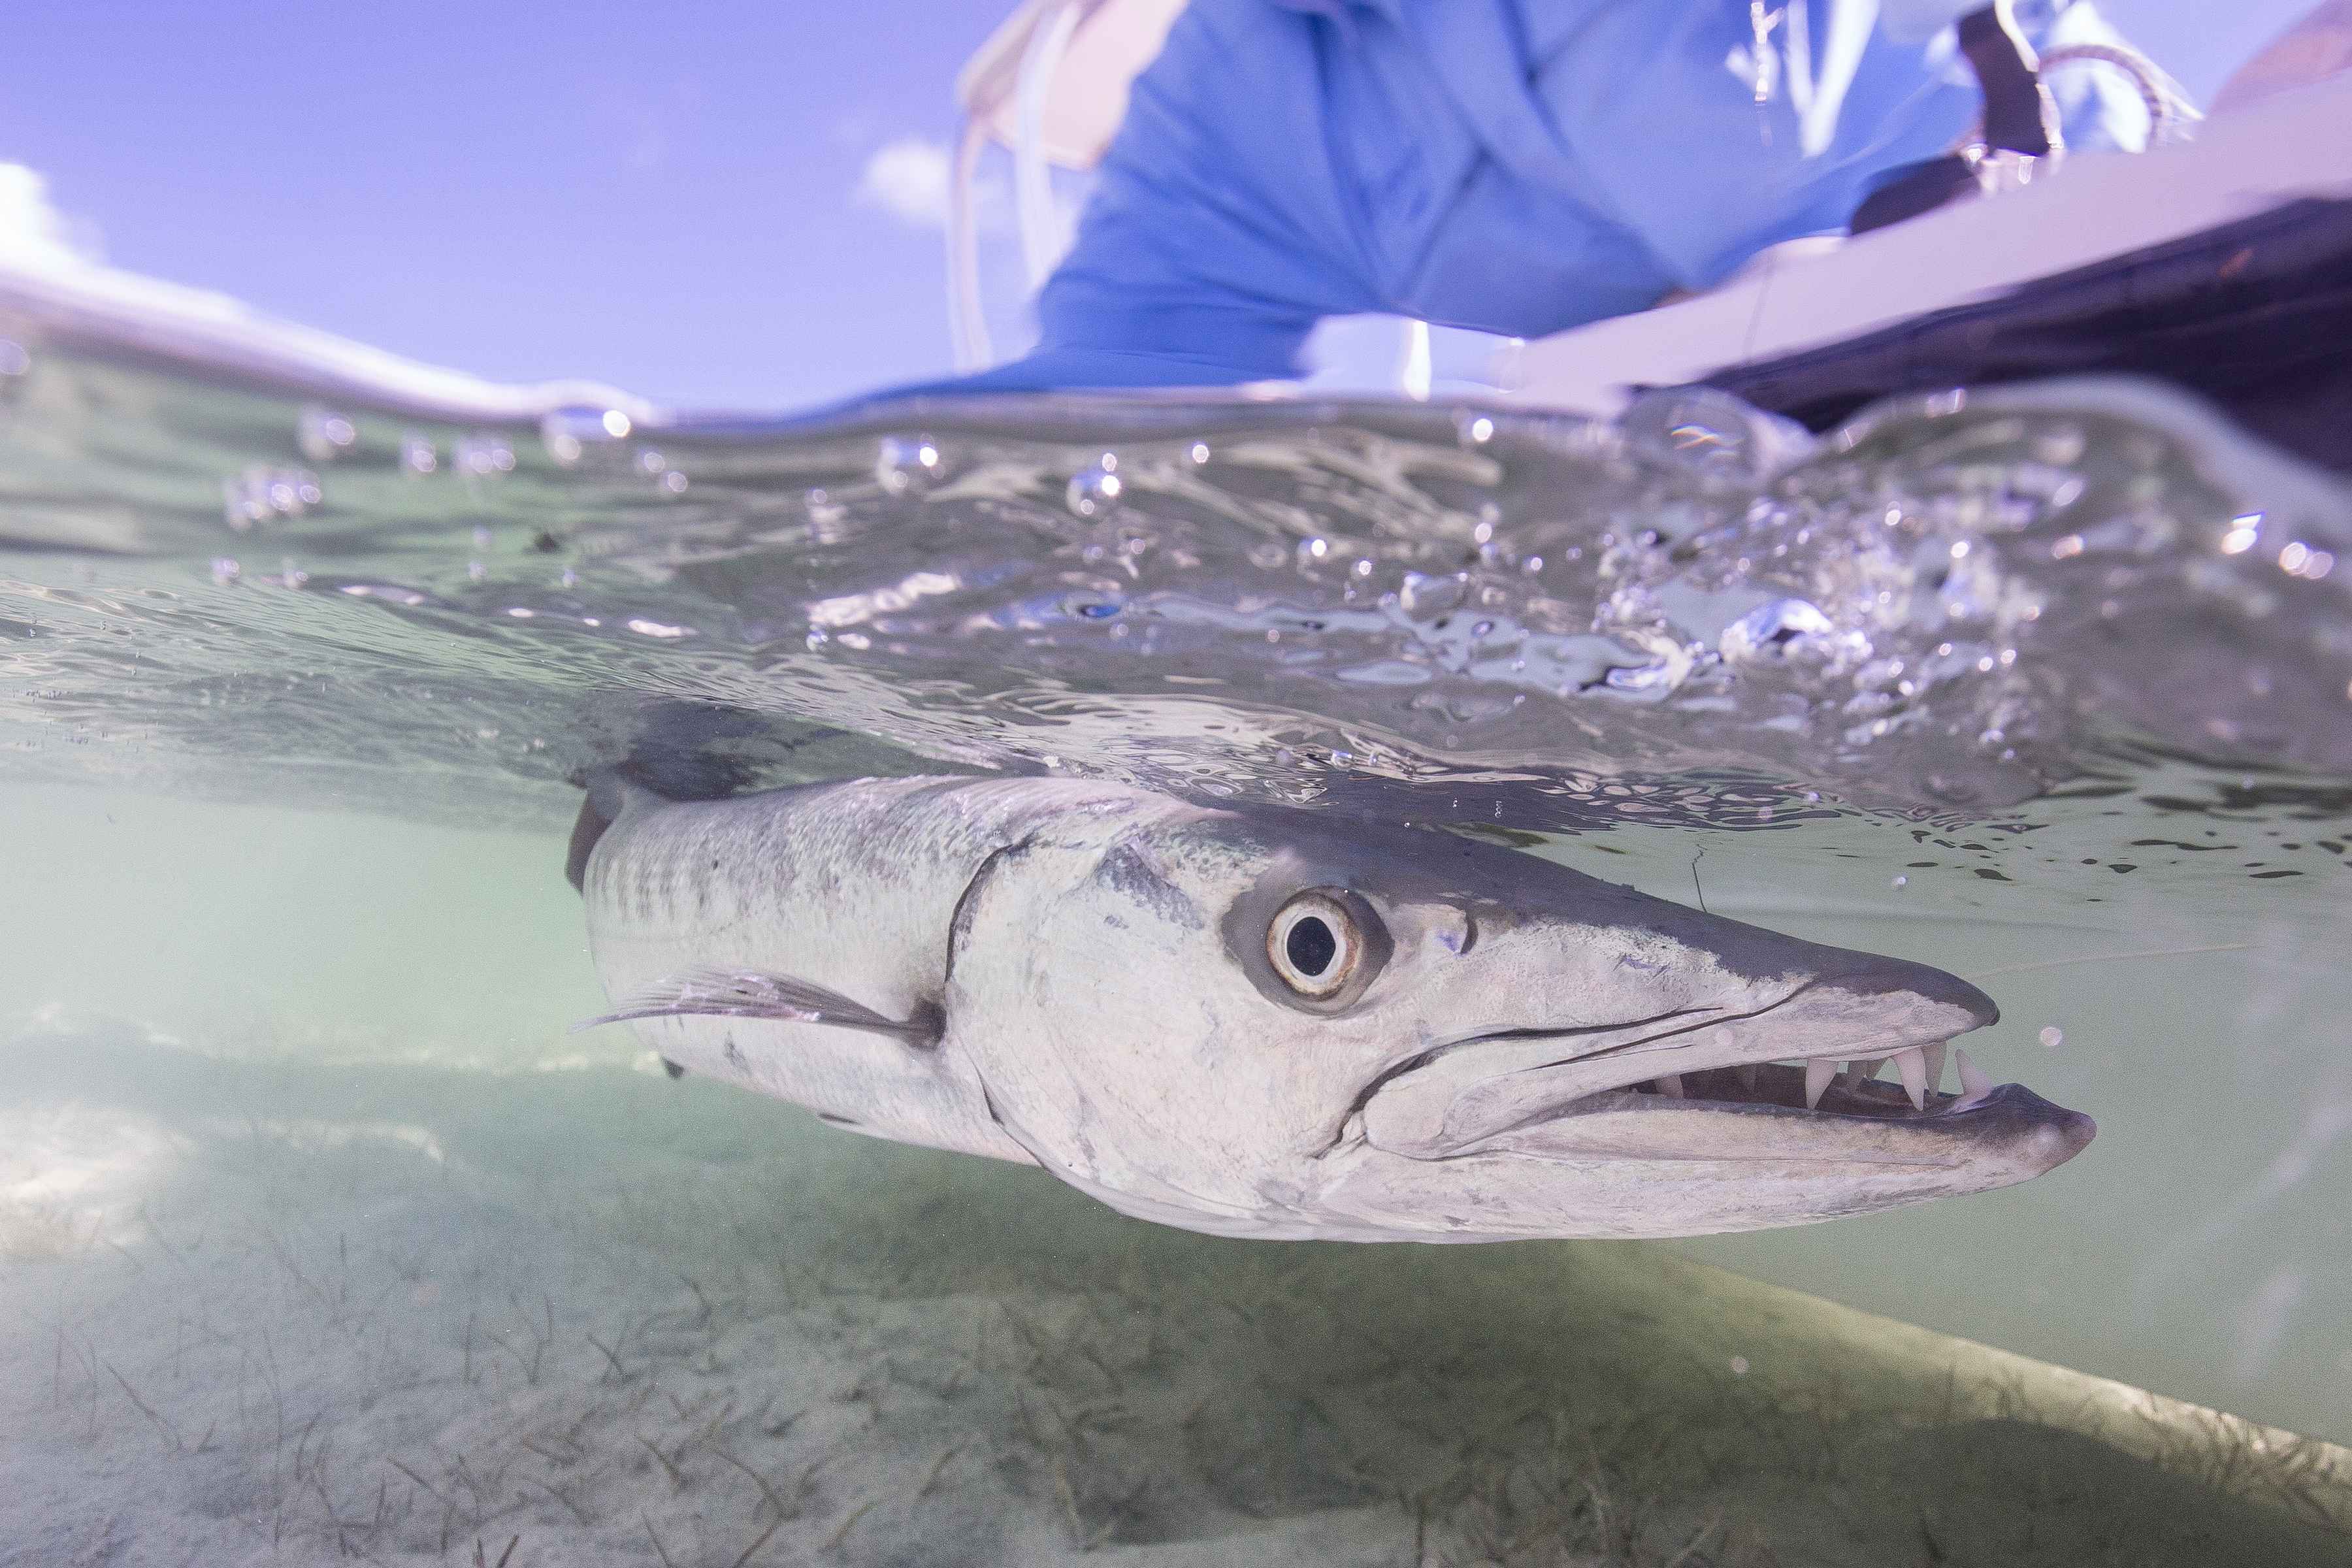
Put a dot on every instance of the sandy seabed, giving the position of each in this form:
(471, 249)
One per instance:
(282, 1310)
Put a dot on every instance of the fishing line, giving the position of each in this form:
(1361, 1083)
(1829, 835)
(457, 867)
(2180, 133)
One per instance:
(2108, 958)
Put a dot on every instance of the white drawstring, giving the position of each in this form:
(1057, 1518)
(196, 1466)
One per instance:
(2171, 110)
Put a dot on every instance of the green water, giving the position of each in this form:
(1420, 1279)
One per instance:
(320, 1237)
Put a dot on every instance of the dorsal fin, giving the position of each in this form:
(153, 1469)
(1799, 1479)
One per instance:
(608, 793)
(586, 828)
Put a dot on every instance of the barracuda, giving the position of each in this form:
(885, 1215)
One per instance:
(1259, 1022)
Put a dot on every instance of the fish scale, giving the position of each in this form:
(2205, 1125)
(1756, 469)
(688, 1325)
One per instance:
(855, 884)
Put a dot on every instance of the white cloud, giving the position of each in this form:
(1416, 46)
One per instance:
(33, 234)
(908, 179)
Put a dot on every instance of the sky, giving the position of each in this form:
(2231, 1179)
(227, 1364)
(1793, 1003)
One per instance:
(713, 205)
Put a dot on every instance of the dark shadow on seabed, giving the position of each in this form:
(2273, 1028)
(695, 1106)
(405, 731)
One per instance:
(298, 1310)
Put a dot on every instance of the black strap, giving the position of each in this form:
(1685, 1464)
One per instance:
(2017, 117)
(1913, 189)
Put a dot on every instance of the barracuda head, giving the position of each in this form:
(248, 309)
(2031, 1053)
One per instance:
(1256, 1025)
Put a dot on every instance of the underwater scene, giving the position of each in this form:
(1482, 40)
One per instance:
(327, 1233)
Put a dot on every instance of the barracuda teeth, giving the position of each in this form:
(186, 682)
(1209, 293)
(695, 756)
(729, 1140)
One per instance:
(1973, 1081)
(1861, 1070)
(1670, 1084)
(1975, 1088)
(1913, 1065)
(1935, 1054)
(1818, 1073)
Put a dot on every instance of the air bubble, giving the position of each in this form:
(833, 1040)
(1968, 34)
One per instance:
(906, 465)
(568, 432)
(2052, 1036)
(324, 435)
(261, 495)
(1771, 630)
(482, 456)
(1424, 597)
(1712, 437)
(1093, 491)
(2300, 560)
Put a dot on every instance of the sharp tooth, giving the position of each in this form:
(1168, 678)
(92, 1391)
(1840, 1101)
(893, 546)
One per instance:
(1913, 1065)
(1672, 1083)
(1973, 1081)
(1935, 1054)
(1818, 1073)
(1748, 1073)
(1861, 1070)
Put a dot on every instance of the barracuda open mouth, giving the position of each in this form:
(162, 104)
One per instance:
(1900, 1021)
(1822, 1095)
(1827, 1085)
(1805, 1119)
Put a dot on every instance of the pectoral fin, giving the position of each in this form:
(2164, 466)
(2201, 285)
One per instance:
(715, 992)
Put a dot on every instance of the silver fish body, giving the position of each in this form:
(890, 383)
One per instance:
(853, 883)
(1266, 1024)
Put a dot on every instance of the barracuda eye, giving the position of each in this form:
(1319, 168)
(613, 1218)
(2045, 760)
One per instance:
(1316, 944)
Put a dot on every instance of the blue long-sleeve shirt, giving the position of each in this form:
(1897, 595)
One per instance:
(1515, 166)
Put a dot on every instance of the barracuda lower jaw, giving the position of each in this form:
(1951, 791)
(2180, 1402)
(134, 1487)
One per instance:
(1834, 1086)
